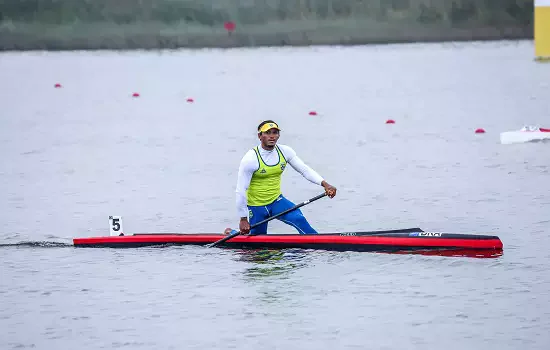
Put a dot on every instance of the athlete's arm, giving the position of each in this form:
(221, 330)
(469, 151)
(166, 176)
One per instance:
(299, 165)
(249, 164)
(306, 171)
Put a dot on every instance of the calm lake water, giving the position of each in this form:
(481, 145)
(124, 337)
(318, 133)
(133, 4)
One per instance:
(72, 156)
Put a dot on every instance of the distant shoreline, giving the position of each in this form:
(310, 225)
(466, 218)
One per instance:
(198, 24)
(157, 36)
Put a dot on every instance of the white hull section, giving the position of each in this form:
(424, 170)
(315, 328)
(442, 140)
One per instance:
(526, 134)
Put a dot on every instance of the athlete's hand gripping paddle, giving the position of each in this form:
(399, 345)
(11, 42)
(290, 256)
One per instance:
(268, 219)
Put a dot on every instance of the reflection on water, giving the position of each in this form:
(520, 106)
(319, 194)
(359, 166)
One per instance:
(463, 253)
(267, 267)
(272, 262)
(283, 262)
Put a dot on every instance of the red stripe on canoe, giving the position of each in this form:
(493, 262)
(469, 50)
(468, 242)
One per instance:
(492, 243)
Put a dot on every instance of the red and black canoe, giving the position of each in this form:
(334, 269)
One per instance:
(410, 239)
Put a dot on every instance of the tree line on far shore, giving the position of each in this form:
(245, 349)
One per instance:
(214, 13)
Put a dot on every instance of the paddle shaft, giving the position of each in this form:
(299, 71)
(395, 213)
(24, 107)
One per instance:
(269, 219)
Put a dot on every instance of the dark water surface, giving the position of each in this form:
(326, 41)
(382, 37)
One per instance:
(75, 155)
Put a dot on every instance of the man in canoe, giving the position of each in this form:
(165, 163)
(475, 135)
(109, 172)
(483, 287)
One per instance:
(259, 183)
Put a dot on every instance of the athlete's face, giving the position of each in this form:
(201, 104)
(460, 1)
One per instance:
(269, 138)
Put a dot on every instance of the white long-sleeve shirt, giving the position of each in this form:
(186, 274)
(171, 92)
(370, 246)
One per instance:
(249, 164)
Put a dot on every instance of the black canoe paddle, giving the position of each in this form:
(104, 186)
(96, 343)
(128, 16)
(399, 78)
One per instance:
(268, 219)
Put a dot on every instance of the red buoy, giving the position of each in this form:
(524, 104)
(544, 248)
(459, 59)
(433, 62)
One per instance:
(57, 86)
(312, 113)
(190, 100)
(135, 94)
(390, 121)
(480, 131)
(229, 26)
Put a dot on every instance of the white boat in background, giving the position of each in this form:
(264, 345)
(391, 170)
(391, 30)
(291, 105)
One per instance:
(525, 134)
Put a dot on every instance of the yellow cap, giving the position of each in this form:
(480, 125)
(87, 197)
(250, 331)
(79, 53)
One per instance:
(268, 126)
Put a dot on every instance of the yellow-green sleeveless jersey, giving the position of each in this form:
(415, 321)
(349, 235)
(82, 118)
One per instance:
(265, 184)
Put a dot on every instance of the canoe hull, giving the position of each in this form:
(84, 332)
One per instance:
(396, 240)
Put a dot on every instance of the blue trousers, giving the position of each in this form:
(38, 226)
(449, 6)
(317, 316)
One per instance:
(294, 218)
